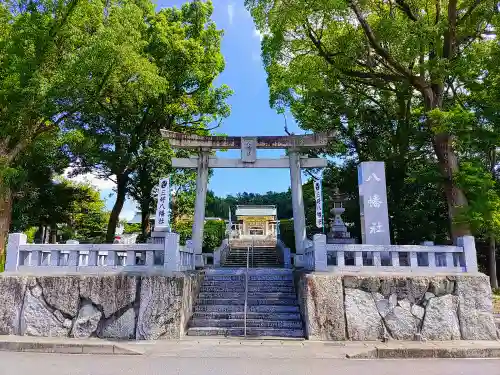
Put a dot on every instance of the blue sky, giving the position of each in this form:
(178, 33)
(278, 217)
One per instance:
(250, 110)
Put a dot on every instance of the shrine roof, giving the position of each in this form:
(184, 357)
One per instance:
(256, 210)
(193, 141)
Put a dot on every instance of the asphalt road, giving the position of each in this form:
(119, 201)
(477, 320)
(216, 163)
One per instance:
(61, 364)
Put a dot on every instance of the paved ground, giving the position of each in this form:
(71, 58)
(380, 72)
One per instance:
(64, 364)
(235, 357)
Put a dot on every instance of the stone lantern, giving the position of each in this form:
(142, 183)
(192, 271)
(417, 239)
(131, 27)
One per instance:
(338, 231)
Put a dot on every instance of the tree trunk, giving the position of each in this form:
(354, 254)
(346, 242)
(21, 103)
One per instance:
(39, 235)
(493, 262)
(53, 233)
(5, 218)
(121, 192)
(145, 219)
(45, 232)
(455, 197)
(145, 222)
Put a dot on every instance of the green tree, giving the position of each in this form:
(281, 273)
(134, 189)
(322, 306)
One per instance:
(88, 215)
(159, 70)
(213, 233)
(37, 38)
(219, 207)
(76, 209)
(312, 46)
(153, 164)
(132, 228)
(479, 142)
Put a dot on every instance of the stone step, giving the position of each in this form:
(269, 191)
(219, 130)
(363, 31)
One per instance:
(240, 315)
(250, 309)
(252, 271)
(251, 294)
(251, 284)
(261, 265)
(244, 257)
(255, 263)
(250, 261)
(253, 288)
(250, 302)
(255, 256)
(255, 250)
(241, 289)
(283, 277)
(238, 323)
(251, 332)
(255, 253)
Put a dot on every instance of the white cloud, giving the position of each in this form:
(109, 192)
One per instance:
(258, 34)
(127, 213)
(230, 13)
(105, 187)
(98, 183)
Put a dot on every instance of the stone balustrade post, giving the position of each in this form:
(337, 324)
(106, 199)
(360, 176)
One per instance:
(320, 258)
(287, 257)
(12, 257)
(470, 255)
(217, 258)
(431, 256)
(172, 257)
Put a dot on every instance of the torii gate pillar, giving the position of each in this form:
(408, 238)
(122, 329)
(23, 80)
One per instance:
(299, 215)
(199, 206)
(248, 145)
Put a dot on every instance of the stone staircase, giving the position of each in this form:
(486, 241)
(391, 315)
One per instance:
(259, 257)
(272, 310)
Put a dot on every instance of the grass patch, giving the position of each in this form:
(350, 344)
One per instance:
(496, 301)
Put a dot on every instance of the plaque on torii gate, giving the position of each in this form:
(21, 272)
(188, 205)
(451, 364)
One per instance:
(295, 144)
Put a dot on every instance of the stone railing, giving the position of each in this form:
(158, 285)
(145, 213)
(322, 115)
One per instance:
(221, 253)
(285, 254)
(164, 252)
(313, 251)
(321, 256)
(186, 260)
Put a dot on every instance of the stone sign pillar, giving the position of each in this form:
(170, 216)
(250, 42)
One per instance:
(199, 206)
(299, 217)
(373, 203)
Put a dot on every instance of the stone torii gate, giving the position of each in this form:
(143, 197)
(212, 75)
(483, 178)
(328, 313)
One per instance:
(295, 144)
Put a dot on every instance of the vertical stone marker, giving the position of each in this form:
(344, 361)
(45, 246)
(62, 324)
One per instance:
(162, 217)
(373, 203)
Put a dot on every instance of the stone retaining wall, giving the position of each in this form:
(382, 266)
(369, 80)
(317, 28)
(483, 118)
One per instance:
(374, 307)
(111, 306)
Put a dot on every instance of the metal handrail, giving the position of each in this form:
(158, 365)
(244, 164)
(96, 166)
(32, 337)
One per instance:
(246, 295)
(253, 246)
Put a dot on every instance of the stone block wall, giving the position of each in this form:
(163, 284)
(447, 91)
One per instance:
(376, 307)
(111, 306)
